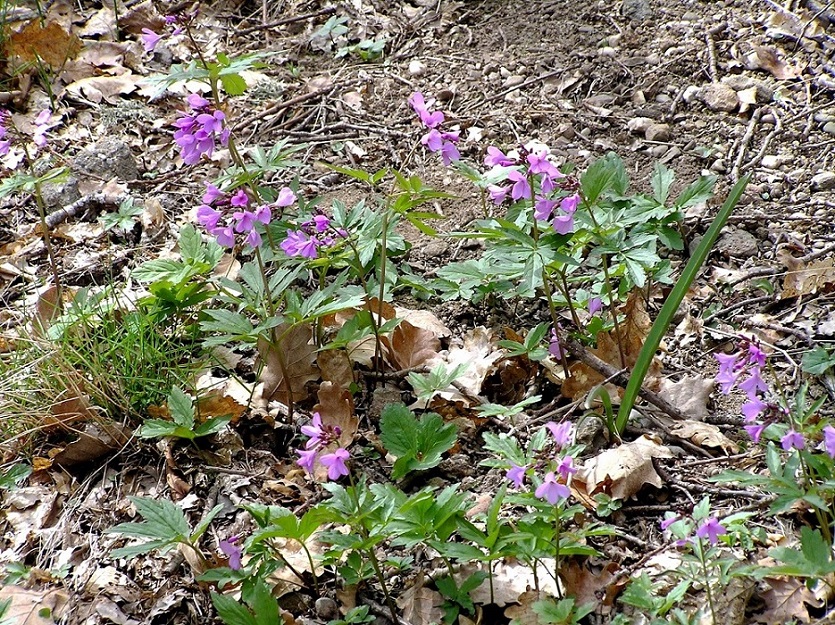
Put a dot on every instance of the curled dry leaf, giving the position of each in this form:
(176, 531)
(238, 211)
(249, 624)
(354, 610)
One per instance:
(786, 600)
(421, 605)
(336, 407)
(704, 435)
(289, 364)
(33, 607)
(805, 278)
(588, 583)
(108, 88)
(621, 472)
(335, 366)
(768, 58)
(479, 353)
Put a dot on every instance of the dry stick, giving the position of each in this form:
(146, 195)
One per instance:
(280, 106)
(711, 58)
(758, 156)
(99, 198)
(287, 20)
(502, 94)
(688, 486)
(604, 368)
(743, 145)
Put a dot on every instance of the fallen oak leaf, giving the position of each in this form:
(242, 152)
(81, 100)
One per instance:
(703, 435)
(289, 363)
(410, 346)
(690, 394)
(49, 43)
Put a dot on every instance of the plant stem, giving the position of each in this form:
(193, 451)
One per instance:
(557, 550)
(701, 551)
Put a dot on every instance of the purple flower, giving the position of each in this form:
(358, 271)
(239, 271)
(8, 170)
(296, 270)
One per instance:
(569, 204)
(253, 238)
(753, 409)
(521, 187)
(232, 552)
(727, 362)
(197, 101)
(150, 39)
(212, 194)
(562, 432)
(792, 440)
(756, 356)
(595, 305)
(449, 153)
(42, 125)
(666, 523)
(726, 381)
(496, 157)
(516, 474)
(433, 140)
(335, 463)
(829, 440)
(285, 197)
(566, 467)
(711, 529)
(497, 194)
(753, 384)
(298, 243)
(755, 431)
(430, 120)
(225, 236)
(539, 164)
(307, 458)
(240, 198)
(197, 132)
(551, 490)
(554, 347)
(564, 224)
(208, 217)
(263, 214)
(245, 221)
(314, 430)
(543, 208)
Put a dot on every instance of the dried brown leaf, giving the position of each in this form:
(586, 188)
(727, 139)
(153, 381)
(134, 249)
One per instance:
(335, 366)
(33, 607)
(768, 58)
(787, 599)
(421, 605)
(591, 584)
(289, 364)
(690, 394)
(336, 408)
(49, 43)
(623, 471)
(107, 88)
(704, 435)
(410, 346)
(805, 278)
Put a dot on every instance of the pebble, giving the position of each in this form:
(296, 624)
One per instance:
(824, 181)
(514, 80)
(737, 244)
(690, 94)
(607, 51)
(829, 128)
(636, 10)
(658, 132)
(566, 131)
(106, 159)
(719, 97)
(719, 166)
(658, 150)
(326, 608)
(417, 68)
(639, 124)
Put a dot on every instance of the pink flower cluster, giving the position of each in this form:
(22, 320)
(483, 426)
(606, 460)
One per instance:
(710, 529)
(43, 123)
(553, 486)
(314, 233)
(435, 140)
(320, 437)
(224, 215)
(537, 167)
(150, 39)
(199, 130)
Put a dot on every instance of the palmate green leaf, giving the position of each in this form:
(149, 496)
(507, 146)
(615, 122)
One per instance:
(158, 428)
(211, 426)
(817, 361)
(231, 612)
(699, 191)
(147, 547)
(181, 408)
(419, 445)
(661, 181)
(164, 522)
(605, 174)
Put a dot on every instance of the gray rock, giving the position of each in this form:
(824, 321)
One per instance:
(61, 194)
(514, 81)
(326, 608)
(106, 159)
(737, 244)
(636, 10)
(824, 181)
(658, 132)
(719, 97)
(640, 124)
(829, 128)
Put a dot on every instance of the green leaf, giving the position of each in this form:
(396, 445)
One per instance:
(699, 191)
(204, 524)
(264, 605)
(181, 408)
(674, 299)
(211, 426)
(419, 445)
(233, 84)
(163, 521)
(15, 474)
(818, 361)
(661, 181)
(157, 428)
(231, 612)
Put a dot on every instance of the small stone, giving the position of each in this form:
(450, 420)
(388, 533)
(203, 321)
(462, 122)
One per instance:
(658, 150)
(690, 16)
(663, 98)
(326, 608)
(514, 81)
(829, 128)
(417, 68)
(434, 249)
(566, 131)
(824, 181)
(607, 51)
(719, 166)
(106, 159)
(690, 94)
(719, 97)
(658, 132)
(56, 195)
(636, 10)
(640, 124)
(737, 244)
(638, 98)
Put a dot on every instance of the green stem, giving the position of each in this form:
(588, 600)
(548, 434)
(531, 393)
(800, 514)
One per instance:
(557, 550)
(701, 552)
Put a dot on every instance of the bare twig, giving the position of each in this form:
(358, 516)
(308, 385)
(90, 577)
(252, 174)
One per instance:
(287, 20)
(743, 144)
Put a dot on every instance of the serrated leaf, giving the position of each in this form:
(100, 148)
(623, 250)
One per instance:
(213, 425)
(419, 445)
(818, 361)
(204, 524)
(661, 180)
(181, 408)
(157, 428)
(231, 612)
(699, 191)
